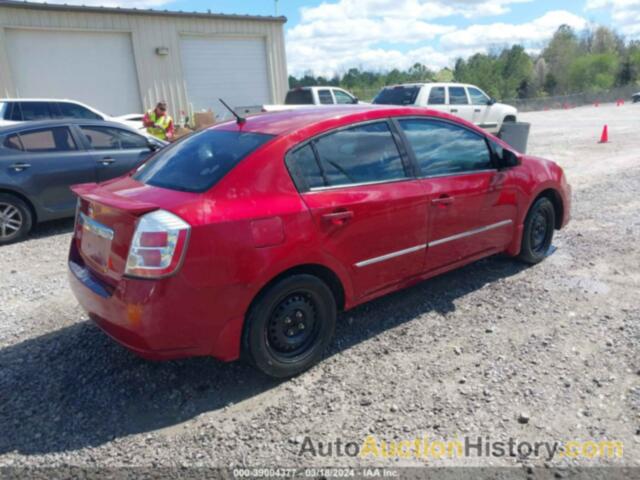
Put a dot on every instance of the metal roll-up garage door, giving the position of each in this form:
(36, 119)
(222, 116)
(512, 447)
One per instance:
(92, 67)
(234, 69)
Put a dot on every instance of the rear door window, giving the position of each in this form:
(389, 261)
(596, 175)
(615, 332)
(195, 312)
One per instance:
(304, 168)
(198, 162)
(458, 96)
(397, 96)
(362, 154)
(71, 110)
(324, 97)
(437, 96)
(30, 111)
(299, 97)
(58, 139)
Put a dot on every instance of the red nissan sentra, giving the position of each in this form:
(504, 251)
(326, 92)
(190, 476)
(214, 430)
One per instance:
(247, 238)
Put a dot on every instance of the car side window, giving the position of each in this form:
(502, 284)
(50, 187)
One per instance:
(458, 96)
(304, 168)
(57, 139)
(31, 111)
(325, 98)
(101, 138)
(437, 96)
(443, 148)
(13, 142)
(343, 98)
(72, 110)
(130, 140)
(362, 154)
(477, 96)
(13, 112)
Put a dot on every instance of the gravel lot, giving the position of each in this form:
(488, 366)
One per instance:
(548, 353)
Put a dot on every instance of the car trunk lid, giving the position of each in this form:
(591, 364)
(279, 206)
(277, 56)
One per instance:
(107, 217)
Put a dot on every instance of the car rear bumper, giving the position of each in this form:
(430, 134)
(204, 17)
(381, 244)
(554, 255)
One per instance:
(153, 320)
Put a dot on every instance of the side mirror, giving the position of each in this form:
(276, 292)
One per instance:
(491, 101)
(509, 159)
(356, 100)
(152, 146)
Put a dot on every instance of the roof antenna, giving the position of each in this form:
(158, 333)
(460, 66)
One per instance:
(239, 120)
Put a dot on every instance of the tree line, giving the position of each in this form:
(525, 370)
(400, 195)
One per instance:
(596, 59)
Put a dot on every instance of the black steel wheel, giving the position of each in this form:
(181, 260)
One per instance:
(290, 325)
(538, 232)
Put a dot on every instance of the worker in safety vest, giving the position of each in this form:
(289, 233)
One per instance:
(158, 122)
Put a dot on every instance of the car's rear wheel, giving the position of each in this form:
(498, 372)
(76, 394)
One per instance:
(538, 232)
(15, 218)
(290, 325)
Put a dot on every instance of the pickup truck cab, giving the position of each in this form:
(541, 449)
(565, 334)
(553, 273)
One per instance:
(313, 96)
(465, 101)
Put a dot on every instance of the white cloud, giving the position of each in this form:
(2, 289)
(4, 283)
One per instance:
(530, 33)
(387, 34)
(625, 14)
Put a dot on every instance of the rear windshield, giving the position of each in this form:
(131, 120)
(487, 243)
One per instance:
(397, 96)
(198, 162)
(299, 97)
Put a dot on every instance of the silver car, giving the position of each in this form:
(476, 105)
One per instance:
(40, 160)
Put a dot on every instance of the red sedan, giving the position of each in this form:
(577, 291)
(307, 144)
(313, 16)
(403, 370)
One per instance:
(248, 237)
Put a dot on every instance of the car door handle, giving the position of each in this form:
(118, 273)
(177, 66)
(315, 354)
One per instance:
(18, 167)
(107, 161)
(478, 110)
(442, 201)
(338, 218)
(454, 110)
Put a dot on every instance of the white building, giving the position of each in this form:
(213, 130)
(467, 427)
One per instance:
(122, 60)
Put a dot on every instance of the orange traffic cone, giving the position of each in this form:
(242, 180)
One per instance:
(605, 135)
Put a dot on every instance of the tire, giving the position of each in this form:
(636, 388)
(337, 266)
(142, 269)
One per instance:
(16, 219)
(538, 232)
(274, 341)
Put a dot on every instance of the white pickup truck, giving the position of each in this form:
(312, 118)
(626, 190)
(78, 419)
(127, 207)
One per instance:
(308, 96)
(465, 101)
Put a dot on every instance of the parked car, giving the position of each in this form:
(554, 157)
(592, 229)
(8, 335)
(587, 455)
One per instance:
(15, 110)
(39, 161)
(247, 238)
(636, 97)
(465, 101)
(133, 120)
(305, 97)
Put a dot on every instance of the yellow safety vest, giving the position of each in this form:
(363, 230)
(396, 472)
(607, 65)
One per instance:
(164, 121)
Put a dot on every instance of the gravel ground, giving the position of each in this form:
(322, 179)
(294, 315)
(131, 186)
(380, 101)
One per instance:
(547, 353)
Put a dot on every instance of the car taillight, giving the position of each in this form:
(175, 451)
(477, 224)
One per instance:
(158, 246)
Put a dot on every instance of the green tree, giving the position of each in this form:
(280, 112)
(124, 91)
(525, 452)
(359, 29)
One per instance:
(593, 72)
(562, 50)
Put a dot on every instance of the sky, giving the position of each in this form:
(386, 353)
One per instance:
(328, 37)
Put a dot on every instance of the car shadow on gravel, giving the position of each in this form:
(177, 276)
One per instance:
(75, 388)
(51, 228)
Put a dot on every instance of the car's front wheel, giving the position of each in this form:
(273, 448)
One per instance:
(538, 232)
(290, 325)
(15, 218)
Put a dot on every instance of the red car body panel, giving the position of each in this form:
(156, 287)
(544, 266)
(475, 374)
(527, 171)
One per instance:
(253, 225)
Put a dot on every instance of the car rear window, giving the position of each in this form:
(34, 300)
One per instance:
(299, 97)
(397, 96)
(198, 162)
